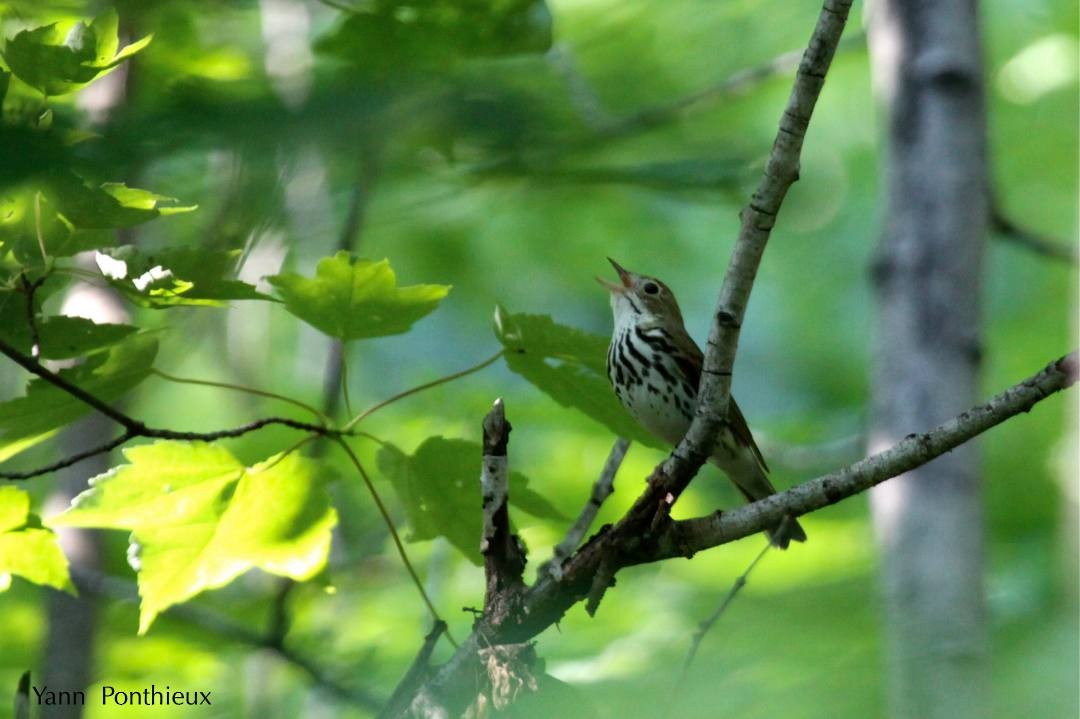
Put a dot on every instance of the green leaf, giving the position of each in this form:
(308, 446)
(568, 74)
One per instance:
(569, 366)
(175, 276)
(108, 206)
(27, 420)
(439, 486)
(60, 337)
(199, 518)
(352, 298)
(58, 59)
(68, 215)
(27, 550)
(5, 80)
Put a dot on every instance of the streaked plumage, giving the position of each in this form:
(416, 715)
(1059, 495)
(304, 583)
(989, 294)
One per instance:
(655, 366)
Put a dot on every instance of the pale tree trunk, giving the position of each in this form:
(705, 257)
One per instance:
(927, 65)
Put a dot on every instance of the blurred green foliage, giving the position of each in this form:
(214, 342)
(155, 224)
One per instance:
(505, 148)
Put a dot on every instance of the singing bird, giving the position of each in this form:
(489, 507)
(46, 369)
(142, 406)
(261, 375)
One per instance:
(654, 367)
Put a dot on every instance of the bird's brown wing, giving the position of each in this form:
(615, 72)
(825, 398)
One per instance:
(691, 360)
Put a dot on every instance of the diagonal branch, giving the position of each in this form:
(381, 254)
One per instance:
(416, 673)
(547, 600)
(134, 427)
(601, 490)
(758, 218)
(684, 538)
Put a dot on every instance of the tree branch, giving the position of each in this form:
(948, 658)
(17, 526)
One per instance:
(504, 554)
(684, 538)
(601, 490)
(416, 673)
(133, 427)
(450, 687)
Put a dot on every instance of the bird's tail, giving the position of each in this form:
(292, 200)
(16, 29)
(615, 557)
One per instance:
(747, 474)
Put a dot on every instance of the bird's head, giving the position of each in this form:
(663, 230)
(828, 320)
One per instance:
(640, 299)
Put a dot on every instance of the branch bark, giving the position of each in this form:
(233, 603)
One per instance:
(602, 489)
(454, 685)
(504, 553)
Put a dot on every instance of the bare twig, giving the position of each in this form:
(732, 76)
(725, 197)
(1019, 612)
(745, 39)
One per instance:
(504, 554)
(135, 428)
(393, 533)
(712, 619)
(738, 82)
(546, 601)
(70, 460)
(1040, 244)
(758, 218)
(416, 673)
(684, 538)
(601, 490)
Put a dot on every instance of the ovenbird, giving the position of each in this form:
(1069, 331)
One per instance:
(654, 366)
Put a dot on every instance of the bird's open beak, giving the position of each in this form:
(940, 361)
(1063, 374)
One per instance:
(624, 277)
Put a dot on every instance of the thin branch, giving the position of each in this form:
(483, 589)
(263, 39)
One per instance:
(601, 490)
(94, 583)
(393, 533)
(240, 388)
(757, 218)
(684, 538)
(135, 428)
(1040, 244)
(68, 461)
(416, 673)
(547, 600)
(420, 388)
(737, 82)
(650, 118)
(712, 619)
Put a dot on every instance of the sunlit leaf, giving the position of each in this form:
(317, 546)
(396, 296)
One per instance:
(569, 366)
(352, 298)
(110, 205)
(26, 549)
(26, 420)
(175, 276)
(58, 59)
(199, 518)
(439, 486)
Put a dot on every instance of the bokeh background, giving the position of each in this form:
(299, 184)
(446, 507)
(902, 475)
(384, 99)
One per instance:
(506, 148)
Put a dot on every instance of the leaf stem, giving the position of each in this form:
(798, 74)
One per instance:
(240, 388)
(343, 359)
(420, 388)
(393, 534)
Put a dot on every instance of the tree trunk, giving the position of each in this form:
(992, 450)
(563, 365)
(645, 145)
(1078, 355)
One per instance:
(927, 67)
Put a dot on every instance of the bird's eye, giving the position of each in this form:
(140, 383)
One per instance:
(651, 288)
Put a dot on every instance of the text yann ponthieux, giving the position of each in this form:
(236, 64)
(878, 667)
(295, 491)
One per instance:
(150, 696)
